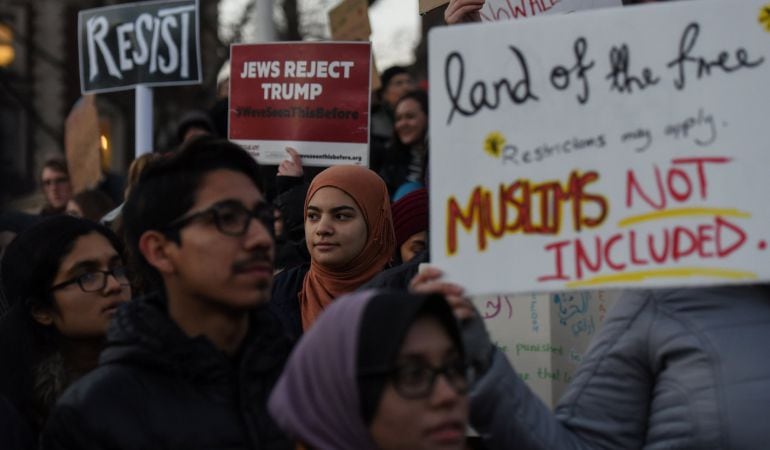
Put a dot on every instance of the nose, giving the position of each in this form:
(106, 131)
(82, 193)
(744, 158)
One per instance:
(323, 227)
(112, 285)
(257, 235)
(443, 393)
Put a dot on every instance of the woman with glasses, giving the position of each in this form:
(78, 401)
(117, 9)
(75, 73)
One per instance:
(378, 370)
(349, 235)
(64, 279)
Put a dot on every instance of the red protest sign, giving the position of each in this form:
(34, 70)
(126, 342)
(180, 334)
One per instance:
(310, 96)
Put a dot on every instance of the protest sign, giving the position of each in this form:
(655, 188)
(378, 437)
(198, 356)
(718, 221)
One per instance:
(349, 21)
(496, 10)
(585, 150)
(82, 144)
(148, 43)
(545, 336)
(429, 5)
(310, 96)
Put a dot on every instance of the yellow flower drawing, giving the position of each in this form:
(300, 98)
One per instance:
(764, 17)
(494, 143)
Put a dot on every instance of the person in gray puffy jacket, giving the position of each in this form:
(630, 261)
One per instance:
(684, 368)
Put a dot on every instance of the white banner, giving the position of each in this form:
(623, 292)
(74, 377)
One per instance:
(496, 10)
(593, 150)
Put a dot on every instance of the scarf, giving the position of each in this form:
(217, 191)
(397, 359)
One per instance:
(322, 285)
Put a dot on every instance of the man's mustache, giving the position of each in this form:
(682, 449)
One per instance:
(261, 256)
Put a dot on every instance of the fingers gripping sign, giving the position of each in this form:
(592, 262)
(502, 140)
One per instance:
(462, 11)
(428, 281)
(292, 165)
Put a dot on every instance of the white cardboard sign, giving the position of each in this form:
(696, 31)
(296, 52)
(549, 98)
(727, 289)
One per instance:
(545, 336)
(586, 151)
(497, 10)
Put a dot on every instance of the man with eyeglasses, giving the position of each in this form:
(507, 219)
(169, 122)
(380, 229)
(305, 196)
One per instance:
(190, 364)
(55, 182)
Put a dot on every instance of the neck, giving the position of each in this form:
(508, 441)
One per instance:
(224, 327)
(81, 355)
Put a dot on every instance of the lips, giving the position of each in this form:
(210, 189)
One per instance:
(409, 137)
(112, 307)
(324, 245)
(448, 432)
(405, 133)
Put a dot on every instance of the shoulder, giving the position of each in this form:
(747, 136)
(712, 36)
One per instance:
(397, 277)
(109, 401)
(289, 281)
(105, 387)
(698, 308)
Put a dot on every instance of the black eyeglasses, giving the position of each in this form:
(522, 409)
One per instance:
(230, 217)
(96, 280)
(416, 379)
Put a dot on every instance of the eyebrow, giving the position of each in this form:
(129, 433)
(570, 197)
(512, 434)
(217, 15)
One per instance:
(233, 202)
(223, 202)
(333, 210)
(450, 352)
(92, 264)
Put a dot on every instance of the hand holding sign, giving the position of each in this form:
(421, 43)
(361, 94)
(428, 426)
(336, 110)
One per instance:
(428, 281)
(460, 11)
(291, 166)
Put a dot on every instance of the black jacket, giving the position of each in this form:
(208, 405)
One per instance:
(156, 388)
(398, 277)
(285, 298)
(394, 169)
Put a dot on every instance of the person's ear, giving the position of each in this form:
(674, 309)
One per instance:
(155, 247)
(43, 316)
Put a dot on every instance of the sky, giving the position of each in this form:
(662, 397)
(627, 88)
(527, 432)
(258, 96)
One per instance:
(395, 28)
(395, 31)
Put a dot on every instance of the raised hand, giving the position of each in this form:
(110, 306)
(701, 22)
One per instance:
(463, 11)
(291, 167)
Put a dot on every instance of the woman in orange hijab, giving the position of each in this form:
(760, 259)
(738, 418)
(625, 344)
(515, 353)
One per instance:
(350, 238)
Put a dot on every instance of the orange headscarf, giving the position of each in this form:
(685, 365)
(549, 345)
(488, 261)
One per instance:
(321, 286)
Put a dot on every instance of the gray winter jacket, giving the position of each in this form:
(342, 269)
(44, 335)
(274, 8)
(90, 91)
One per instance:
(684, 369)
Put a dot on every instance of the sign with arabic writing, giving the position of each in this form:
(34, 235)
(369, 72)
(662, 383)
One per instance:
(594, 152)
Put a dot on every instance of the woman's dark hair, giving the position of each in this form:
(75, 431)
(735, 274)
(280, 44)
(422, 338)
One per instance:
(57, 165)
(27, 271)
(32, 260)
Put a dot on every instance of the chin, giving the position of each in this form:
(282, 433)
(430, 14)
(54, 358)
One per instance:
(258, 298)
(245, 301)
(329, 265)
(262, 298)
(324, 260)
